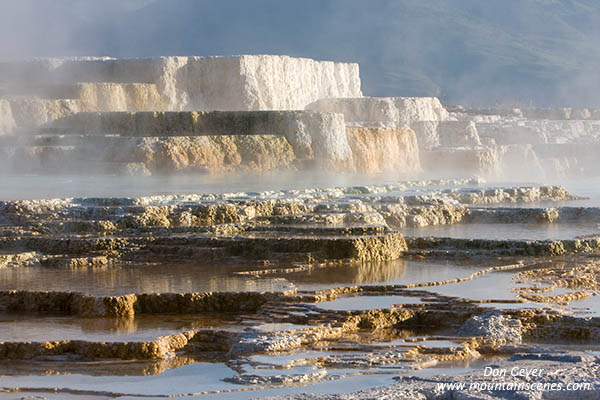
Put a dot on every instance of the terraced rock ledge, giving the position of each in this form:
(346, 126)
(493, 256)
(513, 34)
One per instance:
(293, 288)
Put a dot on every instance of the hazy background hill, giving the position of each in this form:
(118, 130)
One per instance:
(545, 52)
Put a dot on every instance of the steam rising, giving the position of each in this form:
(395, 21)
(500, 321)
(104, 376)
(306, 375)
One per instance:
(530, 53)
(504, 60)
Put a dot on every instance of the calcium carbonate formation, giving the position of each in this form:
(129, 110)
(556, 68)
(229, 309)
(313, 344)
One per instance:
(259, 112)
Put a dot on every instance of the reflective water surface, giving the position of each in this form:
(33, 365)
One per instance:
(560, 231)
(397, 272)
(40, 328)
(199, 379)
(144, 278)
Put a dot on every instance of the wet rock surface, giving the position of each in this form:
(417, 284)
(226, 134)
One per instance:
(404, 284)
(492, 326)
(351, 293)
(551, 374)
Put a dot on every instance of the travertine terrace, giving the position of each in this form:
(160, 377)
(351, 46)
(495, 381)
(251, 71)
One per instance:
(248, 82)
(40, 100)
(249, 291)
(495, 143)
(176, 281)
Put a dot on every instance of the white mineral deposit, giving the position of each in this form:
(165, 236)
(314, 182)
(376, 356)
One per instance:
(286, 227)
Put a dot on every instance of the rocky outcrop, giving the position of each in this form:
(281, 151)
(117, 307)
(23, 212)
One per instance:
(30, 113)
(506, 162)
(523, 194)
(78, 304)
(561, 113)
(478, 247)
(384, 150)
(514, 215)
(281, 82)
(7, 122)
(458, 134)
(386, 111)
(493, 326)
(506, 133)
(162, 347)
(320, 137)
(533, 215)
(95, 96)
(535, 113)
(98, 96)
(248, 82)
(17, 259)
(543, 143)
(504, 144)
(427, 134)
(45, 90)
(422, 114)
(204, 153)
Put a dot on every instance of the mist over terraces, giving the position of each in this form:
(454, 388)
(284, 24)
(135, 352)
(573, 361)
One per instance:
(246, 226)
(520, 53)
(258, 113)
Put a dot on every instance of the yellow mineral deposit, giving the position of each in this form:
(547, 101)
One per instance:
(254, 226)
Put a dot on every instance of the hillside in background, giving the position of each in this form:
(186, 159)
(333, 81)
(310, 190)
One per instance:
(543, 52)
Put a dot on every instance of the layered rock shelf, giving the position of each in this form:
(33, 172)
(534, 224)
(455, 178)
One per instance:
(163, 287)
(327, 121)
(325, 279)
(313, 135)
(247, 82)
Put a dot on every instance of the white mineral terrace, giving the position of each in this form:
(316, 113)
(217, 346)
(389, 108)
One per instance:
(247, 82)
(253, 226)
(266, 96)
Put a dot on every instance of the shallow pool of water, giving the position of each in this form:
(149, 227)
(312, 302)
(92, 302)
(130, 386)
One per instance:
(367, 302)
(397, 272)
(189, 379)
(494, 285)
(205, 381)
(560, 231)
(37, 328)
(589, 188)
(119, 280)
(586, 307)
